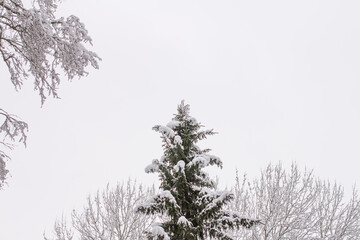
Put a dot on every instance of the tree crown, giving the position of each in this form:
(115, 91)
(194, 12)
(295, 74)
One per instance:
(191, 207)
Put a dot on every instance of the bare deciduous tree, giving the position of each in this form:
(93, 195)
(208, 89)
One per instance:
(336, 219)
(33, 42)
(109, 215)
(294, 205)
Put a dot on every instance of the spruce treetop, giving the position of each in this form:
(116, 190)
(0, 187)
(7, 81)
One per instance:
(188, 203)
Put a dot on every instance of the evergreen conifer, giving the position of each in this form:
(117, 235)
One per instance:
(189, 204)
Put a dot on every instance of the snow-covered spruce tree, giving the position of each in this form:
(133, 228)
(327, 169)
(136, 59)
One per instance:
(191, 207)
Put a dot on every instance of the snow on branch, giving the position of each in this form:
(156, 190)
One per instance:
(173, 124)
(205, 179)
(214, 199)
(177, 140)
(158, 233)
(158, 203)
(165, 131)
(184, 222)
(180, 166)
(193, 121)
(204, 160)
(153, 167)
(170, 137)
(236, 219)
(219, 234)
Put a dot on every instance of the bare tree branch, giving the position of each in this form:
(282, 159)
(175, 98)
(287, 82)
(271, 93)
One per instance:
(109, 215)
(33, 42)
(295, 205)
(11, 130)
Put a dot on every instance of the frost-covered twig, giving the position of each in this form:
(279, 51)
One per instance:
(12, 129)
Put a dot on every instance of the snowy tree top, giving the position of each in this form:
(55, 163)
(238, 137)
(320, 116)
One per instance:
(188, 199)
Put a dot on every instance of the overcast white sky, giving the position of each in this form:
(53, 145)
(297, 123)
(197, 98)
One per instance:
(279, 80)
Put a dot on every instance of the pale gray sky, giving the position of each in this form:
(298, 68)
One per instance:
(279, 80)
